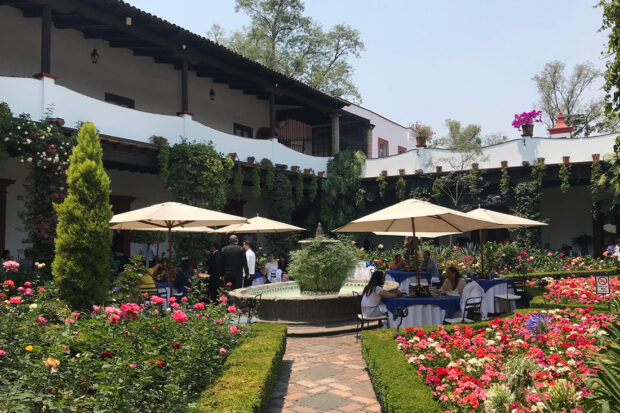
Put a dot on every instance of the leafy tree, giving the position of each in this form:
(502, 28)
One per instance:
(558, 93)
(466, 148)
(313, 188)
(81, 265)
(343, 197)
(283, 39)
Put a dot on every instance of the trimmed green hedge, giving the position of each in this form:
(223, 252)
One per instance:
(248, 374)
(538, 302)
(552, 274)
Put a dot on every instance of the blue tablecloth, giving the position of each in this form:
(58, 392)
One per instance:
(400, 276)
(162, 285)
(258, 274)
(448, 303)
(488, 284)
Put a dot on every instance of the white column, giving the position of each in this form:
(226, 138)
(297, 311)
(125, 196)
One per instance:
(335, 133)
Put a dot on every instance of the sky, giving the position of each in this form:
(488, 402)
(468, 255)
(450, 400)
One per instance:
(428, 61)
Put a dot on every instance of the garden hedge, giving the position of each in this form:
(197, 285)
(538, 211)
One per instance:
(248, 374)
(538, 302)
(553, 274)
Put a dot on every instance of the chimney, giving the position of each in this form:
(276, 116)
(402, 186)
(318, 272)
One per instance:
(561, 129)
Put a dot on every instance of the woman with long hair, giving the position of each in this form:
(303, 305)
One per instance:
(371, 296)
(454, 283)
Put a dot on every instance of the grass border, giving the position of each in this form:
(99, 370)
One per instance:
(553, 274)
(248, 374)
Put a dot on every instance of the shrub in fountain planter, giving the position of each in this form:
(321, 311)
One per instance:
(323, 265)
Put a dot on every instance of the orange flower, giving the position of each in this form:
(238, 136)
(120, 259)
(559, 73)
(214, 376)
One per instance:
(52, 364)
(29, 348)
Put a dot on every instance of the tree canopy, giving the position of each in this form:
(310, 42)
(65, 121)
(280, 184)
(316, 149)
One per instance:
(283, 39)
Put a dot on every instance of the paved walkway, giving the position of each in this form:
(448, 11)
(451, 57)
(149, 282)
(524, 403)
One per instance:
(323, 374)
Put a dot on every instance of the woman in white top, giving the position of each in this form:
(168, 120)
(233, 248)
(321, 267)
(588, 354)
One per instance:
(273, 273)
(371, 297)
(454, 283)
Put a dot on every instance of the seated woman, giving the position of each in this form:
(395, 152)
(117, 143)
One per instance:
(147, 282)
(398, 263)
(371, 296)
(262, 279)
(454, 283)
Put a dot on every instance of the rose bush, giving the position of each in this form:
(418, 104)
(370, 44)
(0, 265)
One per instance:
(130, 357)
(579, 290)
(528, 363)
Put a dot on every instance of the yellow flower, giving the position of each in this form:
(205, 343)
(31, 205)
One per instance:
(53, 364)
(29, 348)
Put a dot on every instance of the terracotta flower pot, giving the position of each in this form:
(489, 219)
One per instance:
(384, 173)
(233, 156)
(504, 164)
(565, 159)
(251, 159)
(528, 130)
(321, 173)
(401, 172)
(596, 157)
(540, 160)
(294, 168)
(475, 165)
(307, 171)
(438, 168)
(420, 141)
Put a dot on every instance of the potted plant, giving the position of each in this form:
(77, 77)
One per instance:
(422, 134)
(525, 122)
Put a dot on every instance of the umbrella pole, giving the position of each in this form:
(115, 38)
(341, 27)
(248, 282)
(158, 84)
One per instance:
(157, 249)
(415, 251)
(170, 258)
(481, 255)
(258, 243)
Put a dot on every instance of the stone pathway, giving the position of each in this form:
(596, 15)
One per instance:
(323, 374)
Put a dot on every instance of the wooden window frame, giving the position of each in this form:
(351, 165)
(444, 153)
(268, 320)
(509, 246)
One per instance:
(238, 126)
(120, 100)
(387, 148)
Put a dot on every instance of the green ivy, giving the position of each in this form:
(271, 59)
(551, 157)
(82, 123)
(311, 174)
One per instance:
(163, 157)
(256, 191)
(437, 188)
(504, 181)
(313, 188)
(237, 183)
(538, 173)
(382, 184)
(564, 175)
(299, 189)
(270, 172)
(401, 188)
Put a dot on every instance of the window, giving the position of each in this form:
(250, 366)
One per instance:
(120, 100)
(383, 148)
(241, 130)
(401, 149)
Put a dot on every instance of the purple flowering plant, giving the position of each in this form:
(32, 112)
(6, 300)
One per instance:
(527, 118)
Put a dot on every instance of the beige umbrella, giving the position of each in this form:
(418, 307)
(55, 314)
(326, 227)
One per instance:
(169, 215)
(499, 220)
(412, 215)
(418, 234)
(258, 225)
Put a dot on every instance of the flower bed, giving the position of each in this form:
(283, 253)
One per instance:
(518, 362)
(117, 358)
(579, 290)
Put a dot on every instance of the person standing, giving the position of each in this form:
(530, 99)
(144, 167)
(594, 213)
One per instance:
(215, 270)
(234, 262)
(250, 257)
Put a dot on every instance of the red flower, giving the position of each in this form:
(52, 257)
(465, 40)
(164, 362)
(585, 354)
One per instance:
(106, 355)
(176, 345)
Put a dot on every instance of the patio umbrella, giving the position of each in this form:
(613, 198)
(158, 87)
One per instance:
(418, 234)
(412, 215)
(169, 215)
(258, 225)
(499, 220)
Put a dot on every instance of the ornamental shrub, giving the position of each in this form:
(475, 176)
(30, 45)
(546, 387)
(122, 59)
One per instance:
(81, 265)
(323, 266)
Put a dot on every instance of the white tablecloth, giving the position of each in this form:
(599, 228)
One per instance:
(419, 315)
(404, 284)
(488, 301)
(362, 272)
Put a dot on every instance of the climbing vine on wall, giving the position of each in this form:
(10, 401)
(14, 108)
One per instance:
(163, 157)
(564, 175)
(299, 189)
(44, 149)
(437, 189)
(313, 188)
(527, 205)
(256, 191)
(236, 189)
(504, 182)
(382, 185)
(538, 173)
(270, 172)
(401, 188)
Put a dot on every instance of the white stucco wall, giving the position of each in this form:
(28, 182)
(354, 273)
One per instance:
(154, 87)
(514, 151)
(396, 135)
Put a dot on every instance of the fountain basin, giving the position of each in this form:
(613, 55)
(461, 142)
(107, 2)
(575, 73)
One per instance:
(284, 303)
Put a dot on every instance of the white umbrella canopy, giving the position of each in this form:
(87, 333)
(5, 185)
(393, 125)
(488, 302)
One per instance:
(171, 215)
(415, 215)
(418, 234)
(258, 225)
(500, 220)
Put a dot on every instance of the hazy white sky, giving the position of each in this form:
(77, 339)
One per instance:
(430, 60)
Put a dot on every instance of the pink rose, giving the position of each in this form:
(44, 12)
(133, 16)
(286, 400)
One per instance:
(133, 366)
(114, 319)
(232, 309)
(172, 300)
(222, 351)
(69, 320)
(184, 299)
(96, 309)
(28, 292)
(229, 284)
(175, 305)
(233, 330)
(223, 299)
(199, 306)
(27, 284)
(157, 299)
(179, 316)
(15, 300)
(41, 320)
(75, 315)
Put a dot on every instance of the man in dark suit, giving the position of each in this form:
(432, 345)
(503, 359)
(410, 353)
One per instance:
(215, 270)
(234, 262)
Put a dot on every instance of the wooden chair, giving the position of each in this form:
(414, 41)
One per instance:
(471, 312)
(362, 319)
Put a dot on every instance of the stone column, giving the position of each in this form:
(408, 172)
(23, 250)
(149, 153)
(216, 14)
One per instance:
(335, 117)
(369, 140)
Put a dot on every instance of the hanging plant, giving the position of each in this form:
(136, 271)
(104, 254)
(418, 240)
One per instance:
(256, 182)
(504, 181)
(564, 175)
(472, 179)
(437, 188)
(270, 173)
(299, 189)
(237, 183)
(401, 188)
(382, 184)
(313, 188)
(538, 173)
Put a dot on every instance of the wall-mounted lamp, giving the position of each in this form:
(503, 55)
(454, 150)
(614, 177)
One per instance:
(94, 55)
(212, 94)
(128, 21)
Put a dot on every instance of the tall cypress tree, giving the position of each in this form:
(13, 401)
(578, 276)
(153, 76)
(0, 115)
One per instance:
(82, 264)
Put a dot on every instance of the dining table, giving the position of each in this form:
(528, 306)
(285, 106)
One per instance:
(422, 311)
(493, 287)
(404, 278)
